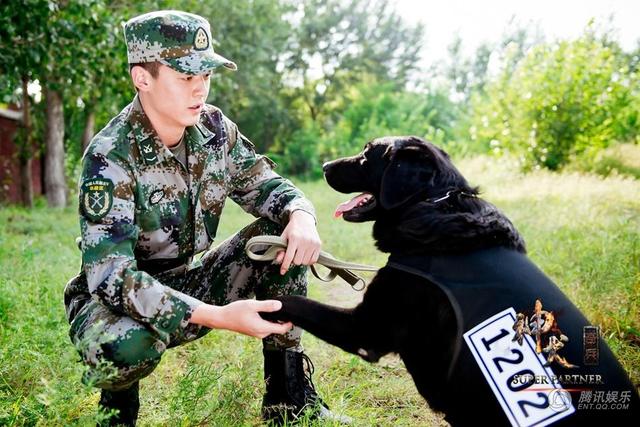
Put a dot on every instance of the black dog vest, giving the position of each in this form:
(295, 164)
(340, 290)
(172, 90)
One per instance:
(486, 290)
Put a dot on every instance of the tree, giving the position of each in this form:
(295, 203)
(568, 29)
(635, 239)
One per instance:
(21, 52)
(563, 99)
(81, 42)
(334, 46)
(335, 43)
(70, 47)
(373, 109)
(254, 35)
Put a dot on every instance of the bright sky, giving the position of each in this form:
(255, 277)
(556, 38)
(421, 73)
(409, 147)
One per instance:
(486, 20)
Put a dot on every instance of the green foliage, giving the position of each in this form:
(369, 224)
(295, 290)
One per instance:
(296, 59)
(254, 35)
(367, 110)
(377, 109)
(22, 37)
(299, 155)
(71, 46)
(336, 43)
(562, 99)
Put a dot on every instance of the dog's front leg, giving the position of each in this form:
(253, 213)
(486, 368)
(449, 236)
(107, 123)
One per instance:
(337, 326)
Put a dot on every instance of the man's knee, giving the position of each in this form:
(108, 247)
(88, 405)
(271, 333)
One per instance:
(118, 362)
(116, 350)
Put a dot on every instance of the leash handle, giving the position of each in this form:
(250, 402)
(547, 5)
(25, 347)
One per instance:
(275, 244)
(356, 282)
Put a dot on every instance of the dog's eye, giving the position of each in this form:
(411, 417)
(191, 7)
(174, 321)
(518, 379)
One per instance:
(362, 161)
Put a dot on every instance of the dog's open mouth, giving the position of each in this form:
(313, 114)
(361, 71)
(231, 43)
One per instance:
(356, 207)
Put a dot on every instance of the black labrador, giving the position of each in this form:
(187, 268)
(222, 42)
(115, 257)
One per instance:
(485, 335)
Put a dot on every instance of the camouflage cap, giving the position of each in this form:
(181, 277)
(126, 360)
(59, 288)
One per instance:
(177, 39)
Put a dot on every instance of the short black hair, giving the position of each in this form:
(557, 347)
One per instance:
(152, 67)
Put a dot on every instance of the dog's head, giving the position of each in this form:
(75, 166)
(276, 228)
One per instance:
(391, 173)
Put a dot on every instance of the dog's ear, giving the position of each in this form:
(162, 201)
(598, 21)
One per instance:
(410, 171)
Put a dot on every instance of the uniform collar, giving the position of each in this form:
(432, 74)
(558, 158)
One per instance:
(152, 150)
(205, 133)
(199, 134)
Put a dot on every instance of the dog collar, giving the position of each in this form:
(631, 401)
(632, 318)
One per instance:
(449, 194)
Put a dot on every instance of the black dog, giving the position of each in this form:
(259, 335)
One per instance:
(456, 287)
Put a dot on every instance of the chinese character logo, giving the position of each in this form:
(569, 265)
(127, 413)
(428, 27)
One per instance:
(590, 340)
(542, 326)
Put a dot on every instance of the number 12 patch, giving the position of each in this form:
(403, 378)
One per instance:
(502, 360)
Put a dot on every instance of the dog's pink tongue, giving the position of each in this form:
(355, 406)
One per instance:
(347, 206)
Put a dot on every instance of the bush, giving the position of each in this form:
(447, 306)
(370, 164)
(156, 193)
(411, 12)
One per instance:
(375, 110)
(299, 155)
(564, 99)
(368, 110)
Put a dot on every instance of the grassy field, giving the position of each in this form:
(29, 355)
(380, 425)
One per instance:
(583, 230)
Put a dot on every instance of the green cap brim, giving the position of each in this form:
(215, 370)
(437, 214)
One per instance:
(198, 63)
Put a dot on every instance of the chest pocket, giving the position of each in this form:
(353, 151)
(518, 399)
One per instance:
(161, 216)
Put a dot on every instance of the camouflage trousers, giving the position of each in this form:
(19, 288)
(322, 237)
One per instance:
(120, 351)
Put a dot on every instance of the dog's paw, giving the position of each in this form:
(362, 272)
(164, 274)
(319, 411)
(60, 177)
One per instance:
(273, 316)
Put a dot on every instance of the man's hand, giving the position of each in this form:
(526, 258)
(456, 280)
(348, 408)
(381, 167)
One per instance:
(241, 316)
(303, 241)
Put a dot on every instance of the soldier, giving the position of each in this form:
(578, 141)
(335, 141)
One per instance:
(152, 188)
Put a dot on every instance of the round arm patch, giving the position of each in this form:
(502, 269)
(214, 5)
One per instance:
(96, 198)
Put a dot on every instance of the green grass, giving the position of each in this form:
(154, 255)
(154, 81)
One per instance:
(583, 230)
(619, 159)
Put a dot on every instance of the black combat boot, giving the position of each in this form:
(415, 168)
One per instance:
(126, 402)
(289, 389)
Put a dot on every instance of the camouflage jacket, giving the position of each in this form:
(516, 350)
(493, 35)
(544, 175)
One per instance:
(139, 204)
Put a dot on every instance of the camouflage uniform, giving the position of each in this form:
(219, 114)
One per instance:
(144, 216)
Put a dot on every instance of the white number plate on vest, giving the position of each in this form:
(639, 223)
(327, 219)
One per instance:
(502, 360)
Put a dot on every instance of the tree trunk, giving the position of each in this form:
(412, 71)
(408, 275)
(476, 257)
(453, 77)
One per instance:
(24, 153)
(54, 180)
(89, 127)
(26, 183)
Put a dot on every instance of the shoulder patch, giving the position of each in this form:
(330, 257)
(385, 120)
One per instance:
(96, 197)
